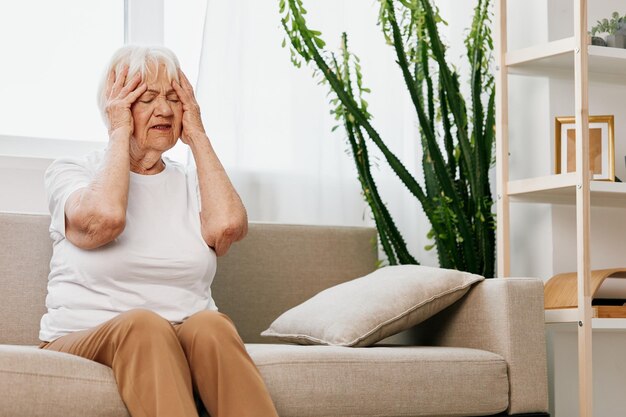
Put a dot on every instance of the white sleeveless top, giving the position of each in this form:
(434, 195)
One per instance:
(160, 262)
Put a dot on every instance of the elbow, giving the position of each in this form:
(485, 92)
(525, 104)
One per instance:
(103, 227)
(221, 237)
(234, 231)
(237, 228)
(113, 223)
(240, 226)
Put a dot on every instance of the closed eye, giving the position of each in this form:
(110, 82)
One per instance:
(147, 98)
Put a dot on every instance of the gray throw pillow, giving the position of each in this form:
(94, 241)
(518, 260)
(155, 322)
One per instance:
(366, 310)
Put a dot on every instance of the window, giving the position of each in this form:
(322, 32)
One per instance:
(183, 22)
(53, 55)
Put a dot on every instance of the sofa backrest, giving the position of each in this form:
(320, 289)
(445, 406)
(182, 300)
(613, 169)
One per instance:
(274, 268)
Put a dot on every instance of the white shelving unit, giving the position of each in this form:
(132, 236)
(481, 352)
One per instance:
(561, 189)
(570, 315)
(572, 58)
(556, 57)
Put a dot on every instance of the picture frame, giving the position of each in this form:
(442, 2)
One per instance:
(601, 146)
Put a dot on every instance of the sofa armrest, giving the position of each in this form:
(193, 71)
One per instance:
(503, 316)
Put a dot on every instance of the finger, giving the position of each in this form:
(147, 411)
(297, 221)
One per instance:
(120, 79)
(182, 93)
(185, 82)
(183, 79)
(135, 94)
(109, 83)
(133, 83)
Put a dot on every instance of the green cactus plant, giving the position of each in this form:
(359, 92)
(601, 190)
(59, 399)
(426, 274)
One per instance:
(457, 142)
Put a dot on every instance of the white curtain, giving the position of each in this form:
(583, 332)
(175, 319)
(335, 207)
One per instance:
(270, 124)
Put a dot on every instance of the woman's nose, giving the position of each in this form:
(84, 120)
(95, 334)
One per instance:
(163, 107)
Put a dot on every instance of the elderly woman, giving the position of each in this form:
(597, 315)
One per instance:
(136, 237)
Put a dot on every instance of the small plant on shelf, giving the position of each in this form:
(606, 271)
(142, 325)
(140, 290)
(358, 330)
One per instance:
(614, 28)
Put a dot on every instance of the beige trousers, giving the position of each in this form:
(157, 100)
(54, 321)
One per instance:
(159, 367)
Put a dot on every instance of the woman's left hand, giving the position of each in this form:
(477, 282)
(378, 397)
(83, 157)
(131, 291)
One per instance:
(192, 122)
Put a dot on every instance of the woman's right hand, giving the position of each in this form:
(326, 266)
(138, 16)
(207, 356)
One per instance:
(120, 98)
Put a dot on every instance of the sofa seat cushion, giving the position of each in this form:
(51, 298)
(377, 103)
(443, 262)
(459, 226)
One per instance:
(303, 381)
(42, 383)
(308, 381)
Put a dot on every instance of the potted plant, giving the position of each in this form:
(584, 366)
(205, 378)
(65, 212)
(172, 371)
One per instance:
(456, 130)
(615, 28)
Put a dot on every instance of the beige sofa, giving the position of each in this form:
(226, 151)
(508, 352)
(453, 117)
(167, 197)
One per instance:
(485, 355)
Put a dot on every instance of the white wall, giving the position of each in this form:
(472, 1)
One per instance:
(609, 370)
(21, 185)
(529, 147)
(21, 177)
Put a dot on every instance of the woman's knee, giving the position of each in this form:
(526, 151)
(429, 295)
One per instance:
(210, 323)
(139, 320)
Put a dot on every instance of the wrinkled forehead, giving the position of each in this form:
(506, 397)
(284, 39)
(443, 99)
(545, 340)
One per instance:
(157, 76)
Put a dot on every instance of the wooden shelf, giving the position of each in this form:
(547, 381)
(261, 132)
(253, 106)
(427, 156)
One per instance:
(570, 316)
(557, 57)
(561, 189)
(562, 315)
(541, 54)
(609, 324)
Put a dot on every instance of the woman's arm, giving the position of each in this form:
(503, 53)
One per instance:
(223, 216)
(95, 215)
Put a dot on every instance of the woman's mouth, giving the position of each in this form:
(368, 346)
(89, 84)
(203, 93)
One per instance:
(162, 127)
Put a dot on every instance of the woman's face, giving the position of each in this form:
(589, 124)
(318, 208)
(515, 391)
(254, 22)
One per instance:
(157, 113)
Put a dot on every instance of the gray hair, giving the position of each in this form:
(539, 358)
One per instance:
(138, 59)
